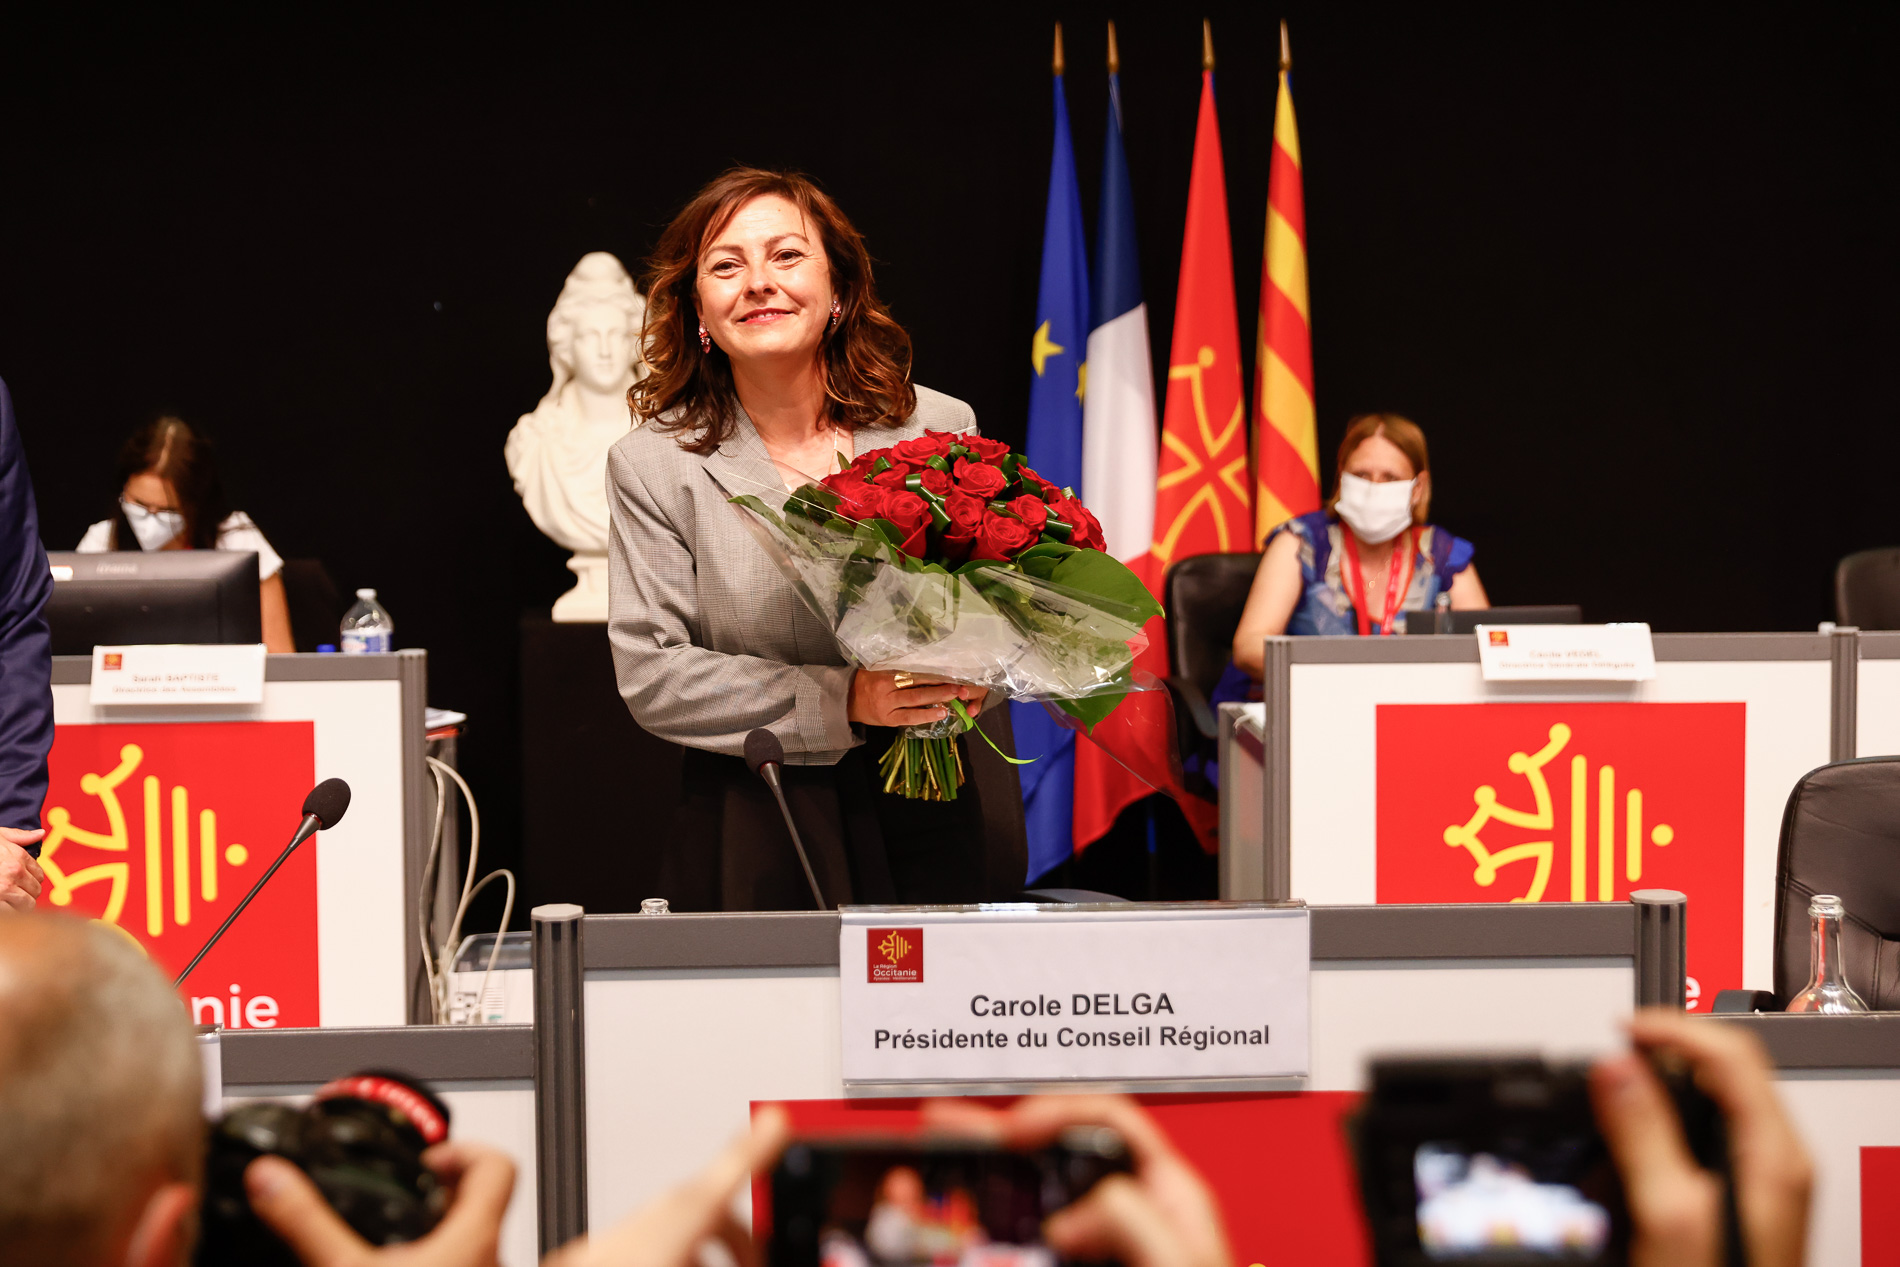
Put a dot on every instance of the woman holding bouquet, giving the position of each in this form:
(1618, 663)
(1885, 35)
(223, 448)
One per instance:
(773, 358)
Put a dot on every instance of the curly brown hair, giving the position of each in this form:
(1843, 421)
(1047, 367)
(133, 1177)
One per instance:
(866, 358)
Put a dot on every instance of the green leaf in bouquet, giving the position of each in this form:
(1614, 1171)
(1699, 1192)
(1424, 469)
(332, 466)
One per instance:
(814, 501)
(1091, 709)
(940, 464)
(759, 508)
(1106, 577)
(1040, 561)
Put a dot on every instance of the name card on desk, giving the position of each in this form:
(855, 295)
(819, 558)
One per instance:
(1025, 994)
(1566, 653)
(178, 673)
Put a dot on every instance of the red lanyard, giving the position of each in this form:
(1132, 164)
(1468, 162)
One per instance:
(1396, 583)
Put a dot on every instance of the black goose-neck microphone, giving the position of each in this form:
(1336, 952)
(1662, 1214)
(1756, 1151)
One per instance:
(765, 754)
(322, 809)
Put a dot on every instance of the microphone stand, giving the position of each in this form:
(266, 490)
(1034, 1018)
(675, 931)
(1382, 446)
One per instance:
(769, 772)
(305, 830)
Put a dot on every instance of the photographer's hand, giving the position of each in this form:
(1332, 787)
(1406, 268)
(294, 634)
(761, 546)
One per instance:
(1675, 1206)
(468, 1235)
(1163, 1216)
(20, 874)
(669, 1232)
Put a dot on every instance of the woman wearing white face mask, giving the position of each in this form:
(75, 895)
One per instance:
(1349, 568)
(170, 498)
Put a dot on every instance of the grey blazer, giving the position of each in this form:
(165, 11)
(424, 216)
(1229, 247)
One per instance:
(709, 640)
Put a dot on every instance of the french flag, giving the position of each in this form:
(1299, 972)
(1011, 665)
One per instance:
(1119, 460)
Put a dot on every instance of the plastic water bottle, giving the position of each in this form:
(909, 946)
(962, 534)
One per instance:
(367, 626)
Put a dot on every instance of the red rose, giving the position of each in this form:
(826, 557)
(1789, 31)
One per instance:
(979, 479)
(1035, 481)
(911, 514)
(999, 537)
(861, 465)
(1085, 531)
(919, 450)
(856, 499)
(934, 481)
(1030, 510)
(893, 477)
(966, 514)
(986, 449)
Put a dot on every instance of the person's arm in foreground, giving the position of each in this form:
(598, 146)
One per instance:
(669, 1232)
(1163, 1215)
(26, 672)
(1676, 1206)
(468, 1236)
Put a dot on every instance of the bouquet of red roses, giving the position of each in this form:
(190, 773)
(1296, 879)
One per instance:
(947, 555)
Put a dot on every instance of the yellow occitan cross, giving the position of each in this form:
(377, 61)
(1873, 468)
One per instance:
(1081, 380)
(1042, 347)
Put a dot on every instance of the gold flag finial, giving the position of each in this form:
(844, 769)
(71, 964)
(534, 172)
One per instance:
(1286, 50)
(1114, 53)
(1057, 63)
(1207, 44)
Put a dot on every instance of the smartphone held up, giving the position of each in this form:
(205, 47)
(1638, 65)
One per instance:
(885, 1201)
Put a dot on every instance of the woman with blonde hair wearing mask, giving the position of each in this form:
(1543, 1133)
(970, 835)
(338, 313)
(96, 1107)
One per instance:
(1370, 554)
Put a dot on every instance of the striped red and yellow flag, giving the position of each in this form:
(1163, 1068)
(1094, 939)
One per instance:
(1286, 445)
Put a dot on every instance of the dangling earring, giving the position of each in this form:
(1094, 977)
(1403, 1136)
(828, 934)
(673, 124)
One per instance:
(837, 310)
(705, 340)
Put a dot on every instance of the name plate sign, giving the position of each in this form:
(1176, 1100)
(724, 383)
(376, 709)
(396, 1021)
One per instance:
(1566, 653)
(1024, 994)
(178, 673)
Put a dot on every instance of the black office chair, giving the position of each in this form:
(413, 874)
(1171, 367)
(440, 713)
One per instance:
(1204, 595)
(1867, 589)
(1841, 835)
(316, 607)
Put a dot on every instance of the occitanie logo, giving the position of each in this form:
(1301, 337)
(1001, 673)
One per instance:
(895, 955)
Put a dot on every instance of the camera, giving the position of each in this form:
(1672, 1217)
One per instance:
(875, 1201)
(1500, 1161)
(360, 1140)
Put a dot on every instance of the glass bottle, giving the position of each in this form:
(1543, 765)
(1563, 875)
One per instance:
(1827, 991)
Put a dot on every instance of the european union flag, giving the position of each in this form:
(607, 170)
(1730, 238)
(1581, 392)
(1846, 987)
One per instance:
(1056, 356)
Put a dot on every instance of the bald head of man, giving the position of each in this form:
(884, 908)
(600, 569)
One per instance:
(102, 1133)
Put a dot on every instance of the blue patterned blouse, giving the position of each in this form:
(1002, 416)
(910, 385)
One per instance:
(1324, 607)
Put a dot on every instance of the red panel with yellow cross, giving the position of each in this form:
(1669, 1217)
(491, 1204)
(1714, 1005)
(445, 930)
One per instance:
(160, 828)
(1557, 802)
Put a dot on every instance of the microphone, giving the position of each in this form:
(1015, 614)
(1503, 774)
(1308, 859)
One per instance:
(322, 809)
(764, 754)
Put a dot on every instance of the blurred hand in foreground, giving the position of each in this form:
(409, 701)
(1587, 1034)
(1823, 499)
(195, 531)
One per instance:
(1676, 1206)
(669, 1232)
(469, 1235)
(1164, 1215)
(20, 874)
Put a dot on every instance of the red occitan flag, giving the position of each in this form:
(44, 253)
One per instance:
(1202, 488)
(1286, 448)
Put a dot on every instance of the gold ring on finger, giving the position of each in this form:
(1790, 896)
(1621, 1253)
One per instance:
(902, 680)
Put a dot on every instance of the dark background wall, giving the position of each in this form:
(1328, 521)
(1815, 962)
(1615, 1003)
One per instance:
(1633, 271)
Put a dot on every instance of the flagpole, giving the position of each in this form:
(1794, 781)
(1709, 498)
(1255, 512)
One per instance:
(1056, 63)
(1114, 54)
(1207, 44)
(1286, 50)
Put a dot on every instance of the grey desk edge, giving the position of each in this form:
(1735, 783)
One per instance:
(76, 670)
(1798, 1043)
(1463, 648)
(1547, 930)
(434, 1053)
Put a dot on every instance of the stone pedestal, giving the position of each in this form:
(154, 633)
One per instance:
(597, 792)
(586, 603)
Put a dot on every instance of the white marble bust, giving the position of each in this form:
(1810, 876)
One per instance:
(558, 454)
